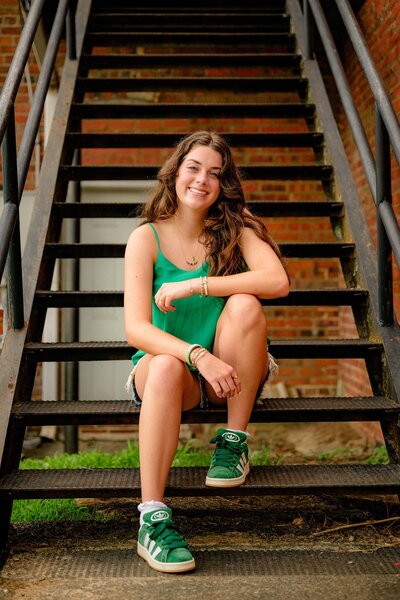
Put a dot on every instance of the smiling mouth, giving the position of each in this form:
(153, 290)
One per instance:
(197, 192)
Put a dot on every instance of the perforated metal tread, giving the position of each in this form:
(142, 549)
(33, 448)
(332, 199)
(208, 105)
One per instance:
(117, 563)
(60, 351)
(144, 84)
(139, 37)
(288, 110)
(270, 410)
(257, 172)
(168, 140)
(316, 297)
(200, 22)
(149, 61)
(188, 481)
(271, 209)
(101, 6)
(289, 249)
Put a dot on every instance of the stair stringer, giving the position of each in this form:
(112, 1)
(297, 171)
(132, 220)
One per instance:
(366, 262)
(48, 188)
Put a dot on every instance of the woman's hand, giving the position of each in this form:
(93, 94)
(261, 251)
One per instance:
(221, 376)
(169, 292)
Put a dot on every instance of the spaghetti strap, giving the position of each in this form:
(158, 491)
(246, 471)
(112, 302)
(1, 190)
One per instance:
(156, 235)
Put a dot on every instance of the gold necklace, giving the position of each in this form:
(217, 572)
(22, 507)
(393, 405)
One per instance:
(193, 260)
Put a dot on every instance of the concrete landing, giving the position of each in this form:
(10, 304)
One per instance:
(272, 548)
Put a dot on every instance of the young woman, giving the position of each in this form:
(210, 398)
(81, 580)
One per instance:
(194, 272)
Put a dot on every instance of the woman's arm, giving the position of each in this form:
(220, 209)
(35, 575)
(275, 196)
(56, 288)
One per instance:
(266, 277)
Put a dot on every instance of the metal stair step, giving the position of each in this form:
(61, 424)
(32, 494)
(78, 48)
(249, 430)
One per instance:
(168, 140)
(101, 6)
(190, 481)
(171, 39)
(292, 348)
(207, 84)
(254, 172)
(286, 110)
(290, 250)
(270, 410)
(315, 297)
(284, 208)
(206, 61)
(190, 21)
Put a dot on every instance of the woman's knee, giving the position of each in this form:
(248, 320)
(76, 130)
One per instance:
(246, 311)
(165, 369)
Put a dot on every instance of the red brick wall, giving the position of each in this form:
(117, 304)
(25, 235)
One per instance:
(379, 22)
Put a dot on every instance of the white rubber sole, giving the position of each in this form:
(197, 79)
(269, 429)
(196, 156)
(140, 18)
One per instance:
(228, 483)
(179, 567)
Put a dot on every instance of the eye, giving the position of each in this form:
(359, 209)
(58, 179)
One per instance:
(192, 168)
(215, 175)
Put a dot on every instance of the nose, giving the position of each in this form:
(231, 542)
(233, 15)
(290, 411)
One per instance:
(201, 177)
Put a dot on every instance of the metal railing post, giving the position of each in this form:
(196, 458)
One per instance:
(71, 437)
(383, 194)
(71, 31)
(308, 31)
(11, 195)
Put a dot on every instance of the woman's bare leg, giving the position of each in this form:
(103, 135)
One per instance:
(241, 341)
(166, 387)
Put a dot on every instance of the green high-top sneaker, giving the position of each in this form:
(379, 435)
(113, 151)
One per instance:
(230, 463)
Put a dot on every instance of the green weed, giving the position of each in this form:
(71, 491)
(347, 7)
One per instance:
(378, 457)
(329, 454)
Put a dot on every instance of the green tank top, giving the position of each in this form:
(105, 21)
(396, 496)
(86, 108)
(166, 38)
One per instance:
(195, 319)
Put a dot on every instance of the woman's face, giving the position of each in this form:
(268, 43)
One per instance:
(197, 182)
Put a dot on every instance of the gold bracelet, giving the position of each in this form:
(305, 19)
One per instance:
(197, 355)
(191, 287)
(205, 286)
(201, 287)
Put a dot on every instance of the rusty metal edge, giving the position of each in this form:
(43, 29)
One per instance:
(14, 341)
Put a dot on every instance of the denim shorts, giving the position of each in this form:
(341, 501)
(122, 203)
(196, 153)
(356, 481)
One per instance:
(130, 386)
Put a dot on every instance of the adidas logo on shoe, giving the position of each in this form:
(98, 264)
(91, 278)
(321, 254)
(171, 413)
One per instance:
(231, 437)
(159, 515)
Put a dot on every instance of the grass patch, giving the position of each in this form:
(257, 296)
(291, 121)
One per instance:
(65, 509)
(262, 458)
(378, 457)
(60, 509)
(329, 454)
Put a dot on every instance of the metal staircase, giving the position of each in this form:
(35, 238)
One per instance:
(258, 35)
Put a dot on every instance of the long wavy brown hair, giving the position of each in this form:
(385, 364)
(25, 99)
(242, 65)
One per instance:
(226, 218)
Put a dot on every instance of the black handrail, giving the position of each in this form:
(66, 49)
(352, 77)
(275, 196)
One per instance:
(387, 132)
(15, 167)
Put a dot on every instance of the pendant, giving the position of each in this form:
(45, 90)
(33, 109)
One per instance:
(192, 262)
